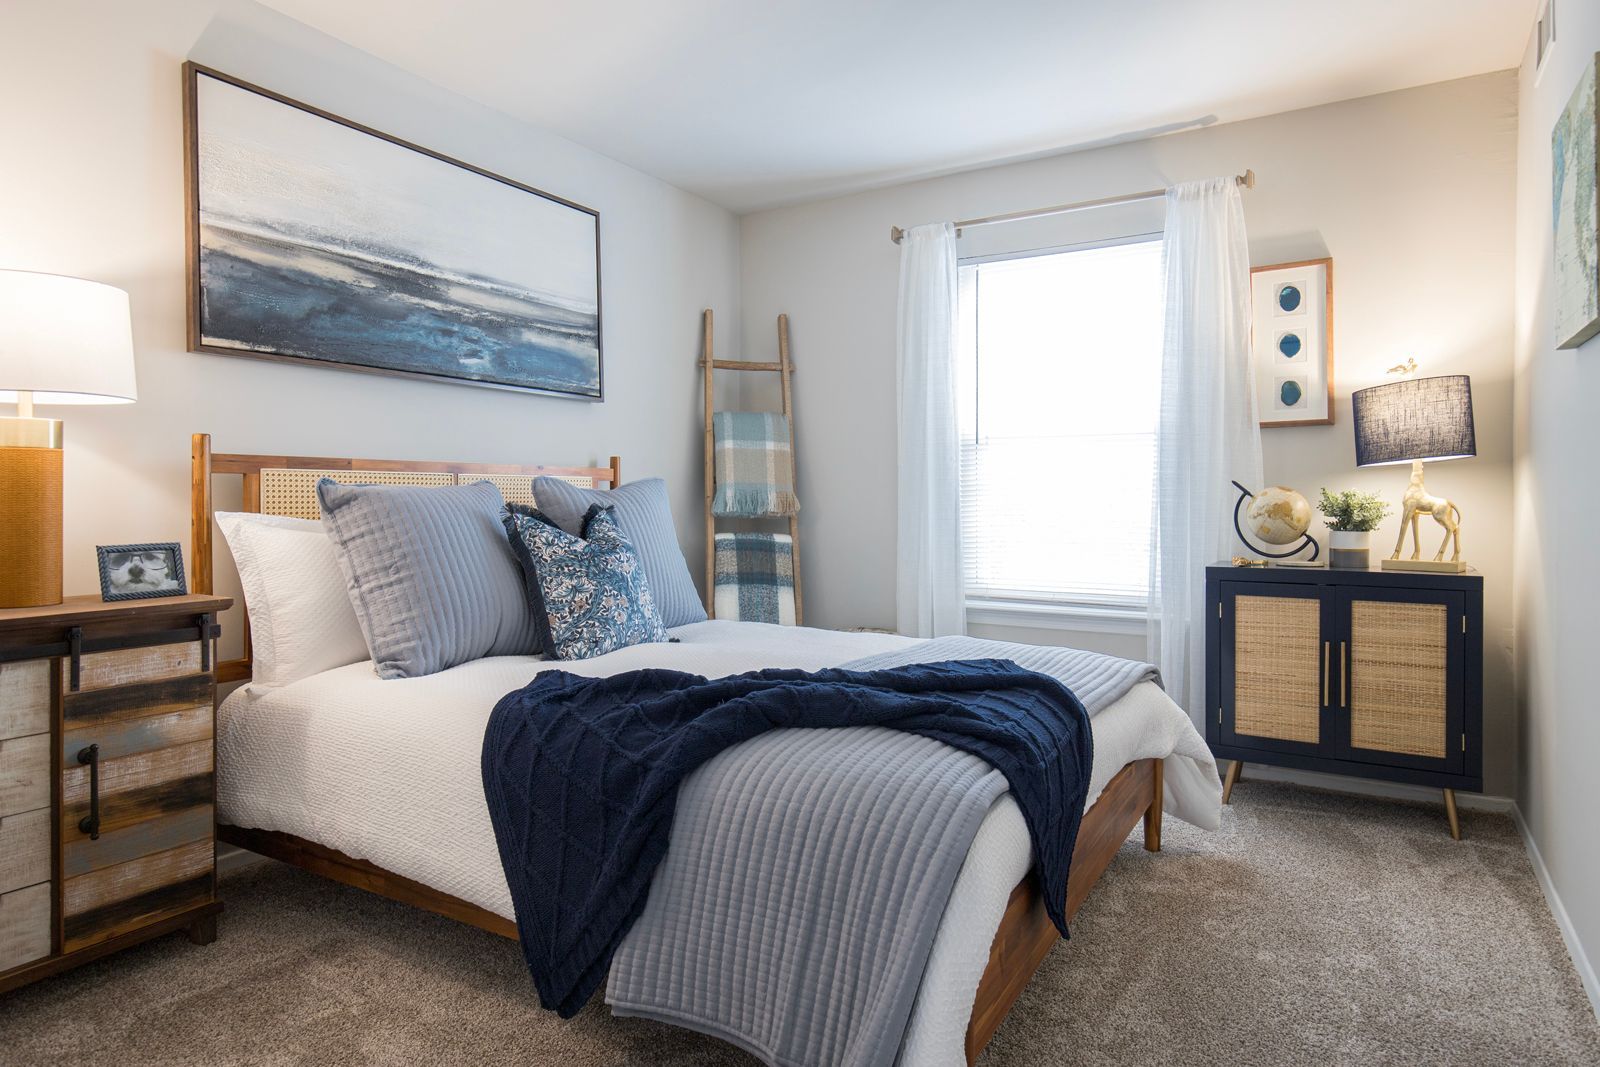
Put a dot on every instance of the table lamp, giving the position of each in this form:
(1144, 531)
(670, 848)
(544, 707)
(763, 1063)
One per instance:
(1411, 421)
(62, 341)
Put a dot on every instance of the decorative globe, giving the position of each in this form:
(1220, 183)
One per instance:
(1278, 515)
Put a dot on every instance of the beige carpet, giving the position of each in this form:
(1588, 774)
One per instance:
(1314, 929)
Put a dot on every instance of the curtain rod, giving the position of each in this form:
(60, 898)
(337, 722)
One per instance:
(1247, 179)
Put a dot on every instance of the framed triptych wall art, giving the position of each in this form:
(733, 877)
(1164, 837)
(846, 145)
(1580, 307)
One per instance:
(1291, 342)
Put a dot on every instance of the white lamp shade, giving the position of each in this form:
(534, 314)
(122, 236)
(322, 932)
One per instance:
(67, 340)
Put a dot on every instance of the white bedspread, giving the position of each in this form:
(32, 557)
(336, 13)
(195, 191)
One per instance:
(388, 771)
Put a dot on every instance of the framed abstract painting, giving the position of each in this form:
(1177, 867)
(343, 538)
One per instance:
(318, 240)
(1291, 342)
(1575, 206)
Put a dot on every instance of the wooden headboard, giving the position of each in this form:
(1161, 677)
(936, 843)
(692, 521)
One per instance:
(286, 485)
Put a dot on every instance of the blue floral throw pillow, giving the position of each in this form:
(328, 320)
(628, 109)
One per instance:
(588, 594)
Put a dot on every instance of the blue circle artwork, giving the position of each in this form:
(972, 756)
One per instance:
(1289, 345)
(1289, 297)
(1290, 393)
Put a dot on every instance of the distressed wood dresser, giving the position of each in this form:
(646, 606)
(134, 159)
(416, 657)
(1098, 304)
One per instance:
(107, 791)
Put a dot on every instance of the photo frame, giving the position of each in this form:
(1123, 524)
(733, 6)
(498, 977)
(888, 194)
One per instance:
(141, 572)
(1291, 342)
(317, 240)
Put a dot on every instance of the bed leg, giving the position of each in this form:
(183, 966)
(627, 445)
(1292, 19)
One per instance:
(1152, 814)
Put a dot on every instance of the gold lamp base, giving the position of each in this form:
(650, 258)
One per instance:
(30, 512)
(1416, 504)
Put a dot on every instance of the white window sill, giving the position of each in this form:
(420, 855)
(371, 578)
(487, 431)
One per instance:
(1035, 615)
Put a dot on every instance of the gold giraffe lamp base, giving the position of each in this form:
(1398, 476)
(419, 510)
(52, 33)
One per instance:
(1417, 503)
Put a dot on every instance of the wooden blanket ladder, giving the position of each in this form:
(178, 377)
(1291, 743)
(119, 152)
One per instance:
(783, 368)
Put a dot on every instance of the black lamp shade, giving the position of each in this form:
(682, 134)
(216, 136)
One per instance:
(1418, 418)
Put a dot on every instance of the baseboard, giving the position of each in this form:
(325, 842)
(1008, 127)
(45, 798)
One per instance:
(1569, 933)
(1340, 783)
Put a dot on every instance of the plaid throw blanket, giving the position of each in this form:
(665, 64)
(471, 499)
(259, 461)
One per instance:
(754, 467)
(755, 578)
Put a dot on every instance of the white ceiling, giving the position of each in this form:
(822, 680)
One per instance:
(754, 103)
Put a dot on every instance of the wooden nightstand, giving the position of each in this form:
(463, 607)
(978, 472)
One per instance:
(107, 790)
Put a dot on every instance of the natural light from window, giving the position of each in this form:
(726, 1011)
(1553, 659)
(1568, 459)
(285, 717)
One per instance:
(1060, 372)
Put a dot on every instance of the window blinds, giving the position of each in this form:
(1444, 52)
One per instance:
(1060, 365)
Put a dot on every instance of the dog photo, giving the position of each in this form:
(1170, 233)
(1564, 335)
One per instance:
(135, 572)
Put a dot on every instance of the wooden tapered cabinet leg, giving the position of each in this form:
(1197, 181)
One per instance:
(1235, 772)
(1450, 812)
(1152, 814)
(203, 930)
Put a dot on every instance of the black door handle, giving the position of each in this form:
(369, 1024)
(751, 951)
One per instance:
(90, 823)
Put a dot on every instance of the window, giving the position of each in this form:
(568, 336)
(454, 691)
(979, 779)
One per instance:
(1060, 377)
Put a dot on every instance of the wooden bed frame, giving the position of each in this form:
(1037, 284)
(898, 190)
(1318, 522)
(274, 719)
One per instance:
(1024, 938)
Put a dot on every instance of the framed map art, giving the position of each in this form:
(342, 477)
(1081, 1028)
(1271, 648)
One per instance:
(1291, 342)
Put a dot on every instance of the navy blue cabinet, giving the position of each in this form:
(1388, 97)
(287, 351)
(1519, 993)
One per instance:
(1370, 673)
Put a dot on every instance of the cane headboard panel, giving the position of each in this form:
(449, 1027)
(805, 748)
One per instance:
(294, 492)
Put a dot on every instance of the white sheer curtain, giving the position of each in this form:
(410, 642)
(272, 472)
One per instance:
(1208, 434)
(929, 599)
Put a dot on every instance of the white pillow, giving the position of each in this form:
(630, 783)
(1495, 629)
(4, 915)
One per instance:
(301, 621)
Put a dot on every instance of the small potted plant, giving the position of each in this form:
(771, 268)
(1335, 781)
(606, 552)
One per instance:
(1352, 516)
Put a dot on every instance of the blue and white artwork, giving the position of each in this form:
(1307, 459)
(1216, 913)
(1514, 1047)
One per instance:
(1291, 342)
(318, 241)
(1575, 214)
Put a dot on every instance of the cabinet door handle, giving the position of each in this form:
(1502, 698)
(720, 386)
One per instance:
(1327, 670)
(1344, 691)
(90, 823)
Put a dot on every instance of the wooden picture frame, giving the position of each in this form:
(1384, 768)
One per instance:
(1291, 342)
(111, 562)
(388, 278)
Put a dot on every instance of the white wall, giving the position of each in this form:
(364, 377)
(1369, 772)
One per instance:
(1558, 572)
(1411, 193)
(93, 186)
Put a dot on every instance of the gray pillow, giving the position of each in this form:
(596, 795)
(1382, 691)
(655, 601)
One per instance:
(431, 577)
(645, 518)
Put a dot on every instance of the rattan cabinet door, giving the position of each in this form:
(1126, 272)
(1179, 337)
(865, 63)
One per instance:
(1275, 652)
(1403, 686)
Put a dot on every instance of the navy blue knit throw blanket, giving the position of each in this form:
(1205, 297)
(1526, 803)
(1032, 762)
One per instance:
(581, 777)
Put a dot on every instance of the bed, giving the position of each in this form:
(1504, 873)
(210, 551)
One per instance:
(376, 783)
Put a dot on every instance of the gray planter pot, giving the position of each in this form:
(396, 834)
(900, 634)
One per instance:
(1349, 550)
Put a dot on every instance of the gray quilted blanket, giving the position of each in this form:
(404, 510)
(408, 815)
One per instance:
(809, 869)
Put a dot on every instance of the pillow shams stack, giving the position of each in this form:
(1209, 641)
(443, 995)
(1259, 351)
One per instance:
(420, 579)
(430, 576)
(588, 594)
